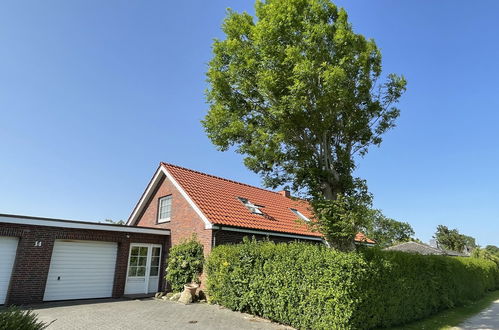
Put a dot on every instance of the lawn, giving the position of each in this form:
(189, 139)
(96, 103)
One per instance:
(452, 317)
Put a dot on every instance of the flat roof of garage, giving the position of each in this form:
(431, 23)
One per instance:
(62, 223)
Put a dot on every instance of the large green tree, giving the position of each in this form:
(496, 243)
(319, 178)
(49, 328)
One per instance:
(300, 95)
(452, 239)
(386, 231)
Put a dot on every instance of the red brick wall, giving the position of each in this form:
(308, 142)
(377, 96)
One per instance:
(29, 275)
(184, 220)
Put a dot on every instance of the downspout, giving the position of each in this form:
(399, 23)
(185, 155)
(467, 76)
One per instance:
(214, 236)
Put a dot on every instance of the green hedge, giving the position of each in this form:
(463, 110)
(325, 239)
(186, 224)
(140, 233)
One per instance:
(313, 287)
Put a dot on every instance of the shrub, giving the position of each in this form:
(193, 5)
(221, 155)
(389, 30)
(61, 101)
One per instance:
(185, 263)
(14, 318)
(313, 287)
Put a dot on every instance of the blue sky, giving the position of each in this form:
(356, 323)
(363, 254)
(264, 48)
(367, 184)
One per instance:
(93, 94)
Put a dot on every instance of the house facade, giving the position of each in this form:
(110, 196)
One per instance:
(221, 211)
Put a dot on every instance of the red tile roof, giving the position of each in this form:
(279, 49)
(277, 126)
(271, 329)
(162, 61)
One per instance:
(218, 200)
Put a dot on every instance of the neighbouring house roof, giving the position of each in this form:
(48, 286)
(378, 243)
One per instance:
(221, 202)
(415, 247)
(420, 248)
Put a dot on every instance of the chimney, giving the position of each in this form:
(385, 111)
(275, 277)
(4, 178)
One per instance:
(285, 193)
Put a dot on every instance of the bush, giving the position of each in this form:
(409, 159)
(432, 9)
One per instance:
(185, 263)
(313, 287)
(14, 318)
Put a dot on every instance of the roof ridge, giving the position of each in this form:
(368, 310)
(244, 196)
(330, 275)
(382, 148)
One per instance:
(219, 177)
(419, 243)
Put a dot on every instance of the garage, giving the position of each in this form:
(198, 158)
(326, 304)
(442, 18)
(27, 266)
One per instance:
(80, 270)
(51, 259)
(8, 247)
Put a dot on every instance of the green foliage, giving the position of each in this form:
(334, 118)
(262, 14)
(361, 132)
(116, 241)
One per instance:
(492, 249)
(451, 239)
(386, 231)
(14, 318)
(485, 254)
(115, 222)
(185, 263)
(313, 287)
(299, 93)
(339, 220)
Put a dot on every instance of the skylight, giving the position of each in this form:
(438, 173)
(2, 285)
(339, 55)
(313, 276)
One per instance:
(252, 207)
(299, 214)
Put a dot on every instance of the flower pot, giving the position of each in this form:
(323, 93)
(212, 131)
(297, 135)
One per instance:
(191, 287)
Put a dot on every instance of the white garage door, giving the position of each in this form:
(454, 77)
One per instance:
(8, 247)
(81, 270)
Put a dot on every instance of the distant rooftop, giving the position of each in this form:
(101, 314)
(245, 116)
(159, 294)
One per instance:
(424, 249)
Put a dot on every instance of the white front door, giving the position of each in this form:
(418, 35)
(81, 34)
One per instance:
(143, 268)
(8, 247)
(81, 270)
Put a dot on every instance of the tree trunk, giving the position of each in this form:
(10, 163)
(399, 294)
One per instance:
(331, 190)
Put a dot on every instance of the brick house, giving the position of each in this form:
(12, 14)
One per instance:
(45, 259)
(221, 211)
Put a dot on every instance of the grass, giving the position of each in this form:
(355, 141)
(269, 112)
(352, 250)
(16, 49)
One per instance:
(452, 317)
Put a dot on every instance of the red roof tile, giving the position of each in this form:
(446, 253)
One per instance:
(218, 200)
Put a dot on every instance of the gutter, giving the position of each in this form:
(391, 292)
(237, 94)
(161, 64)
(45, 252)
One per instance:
(267, 233)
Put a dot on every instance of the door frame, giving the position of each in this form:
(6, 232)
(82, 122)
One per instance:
(9, 280)
(147, 276)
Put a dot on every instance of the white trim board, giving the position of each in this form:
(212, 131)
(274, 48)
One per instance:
(145, 197)
(270, 233)
(21, 220)
(149, 190)
(207, 223)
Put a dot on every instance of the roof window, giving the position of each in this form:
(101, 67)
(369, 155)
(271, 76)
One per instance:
(299, 214)
(255, 209)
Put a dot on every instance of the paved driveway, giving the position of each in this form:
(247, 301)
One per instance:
(145, 314)
(486, 319)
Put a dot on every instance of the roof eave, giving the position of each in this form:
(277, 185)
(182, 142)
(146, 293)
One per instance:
(146, 196)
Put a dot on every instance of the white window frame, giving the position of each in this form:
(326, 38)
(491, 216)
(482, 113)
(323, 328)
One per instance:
(300, 215)
(170, 198)
(254, 209)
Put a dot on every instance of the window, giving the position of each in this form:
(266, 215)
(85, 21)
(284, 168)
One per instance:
(301, 216)
(154, 271)
(165, 208)
(255, 209)
(138, 261)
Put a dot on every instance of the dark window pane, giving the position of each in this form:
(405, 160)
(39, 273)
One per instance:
(135, 251)
(155, 261)
(141, 271)
(142, 261)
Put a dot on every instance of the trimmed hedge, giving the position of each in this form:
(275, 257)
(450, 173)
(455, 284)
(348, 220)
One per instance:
(313, 287)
